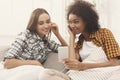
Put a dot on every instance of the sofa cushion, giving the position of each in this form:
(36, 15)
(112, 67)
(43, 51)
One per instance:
(3, 50)
(52, 62)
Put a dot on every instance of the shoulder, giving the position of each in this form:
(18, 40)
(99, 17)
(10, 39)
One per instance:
(104, 31)
(106, 35)
(24, 35)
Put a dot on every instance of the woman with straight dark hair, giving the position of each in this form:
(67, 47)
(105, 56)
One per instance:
(96, 53)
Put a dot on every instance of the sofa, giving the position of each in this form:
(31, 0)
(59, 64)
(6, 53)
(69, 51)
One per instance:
(51, 62)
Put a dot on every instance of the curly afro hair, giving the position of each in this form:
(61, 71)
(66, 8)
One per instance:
(86, 11)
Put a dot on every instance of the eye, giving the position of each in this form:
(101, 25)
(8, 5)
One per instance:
(69, 22)
(41, 23)
(75, 22)
(48, 21)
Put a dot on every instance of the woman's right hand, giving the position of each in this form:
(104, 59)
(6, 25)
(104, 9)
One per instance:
(74, 64)
(70, 32)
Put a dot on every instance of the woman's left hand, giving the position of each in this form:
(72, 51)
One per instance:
(54, 28)
(74, 64)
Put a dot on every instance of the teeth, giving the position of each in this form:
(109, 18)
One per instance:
(45, 30)
(74, 28)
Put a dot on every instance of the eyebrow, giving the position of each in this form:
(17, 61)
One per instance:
(74, 19)
(46, 20)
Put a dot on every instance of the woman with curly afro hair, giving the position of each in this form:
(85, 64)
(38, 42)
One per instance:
(96, 53)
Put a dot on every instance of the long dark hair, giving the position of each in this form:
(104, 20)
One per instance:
(86, 11)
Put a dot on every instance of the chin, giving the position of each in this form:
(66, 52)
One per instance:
(45, 33)
(76, 33)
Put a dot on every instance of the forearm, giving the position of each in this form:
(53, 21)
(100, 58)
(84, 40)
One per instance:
(62, 41)
(11, 63)
(113, 62)
(71, 47)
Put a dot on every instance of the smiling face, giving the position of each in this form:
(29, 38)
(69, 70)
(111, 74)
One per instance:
(43, 25)
(76, 24)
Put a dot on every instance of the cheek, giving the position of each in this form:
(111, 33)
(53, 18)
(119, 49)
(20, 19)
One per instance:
(43, 30)
(81, 27)
(39, 28)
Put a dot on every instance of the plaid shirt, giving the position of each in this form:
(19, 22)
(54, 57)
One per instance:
(29, 46)
(105, 39)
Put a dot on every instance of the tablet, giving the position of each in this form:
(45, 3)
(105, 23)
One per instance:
(62, 53)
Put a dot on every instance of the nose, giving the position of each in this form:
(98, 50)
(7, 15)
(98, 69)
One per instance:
(72, 25)
(46, 25)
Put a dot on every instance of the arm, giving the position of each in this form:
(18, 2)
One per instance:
(55, 30)
(112, 53)
(111, 62)
(11, 63)
(72, 52)
(62, 41)
(14, 53)
(111, 49)
(74, 64)
(71, 47)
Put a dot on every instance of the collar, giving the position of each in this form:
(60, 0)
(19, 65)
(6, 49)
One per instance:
(39, 38)
(92, 36)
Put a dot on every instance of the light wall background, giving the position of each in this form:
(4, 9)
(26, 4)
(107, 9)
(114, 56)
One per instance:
(15, 14)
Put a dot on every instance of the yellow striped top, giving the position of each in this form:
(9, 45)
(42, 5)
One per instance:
(105, 39)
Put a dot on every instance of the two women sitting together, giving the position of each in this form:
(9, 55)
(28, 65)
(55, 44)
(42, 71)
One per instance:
(93, 57)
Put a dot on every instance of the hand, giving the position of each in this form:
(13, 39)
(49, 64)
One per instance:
(70, 31)
(54, 28)
(73, 64)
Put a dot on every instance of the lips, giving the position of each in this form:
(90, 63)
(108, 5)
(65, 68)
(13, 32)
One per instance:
(74, 29)
(46, 30)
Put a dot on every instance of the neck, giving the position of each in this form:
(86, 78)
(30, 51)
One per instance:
(86, 36)
(41, 36)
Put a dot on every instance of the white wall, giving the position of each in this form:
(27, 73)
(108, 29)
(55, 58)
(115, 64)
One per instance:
(114, 18)
(14, 15)
(109, 13)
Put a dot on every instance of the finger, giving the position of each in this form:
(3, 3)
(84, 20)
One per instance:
(66, 60)
(71, 64)
(69, 29)
(68, 26)
(54, 24)
(73, 60)
(71, 68)
(67, 66)
(70, 61)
